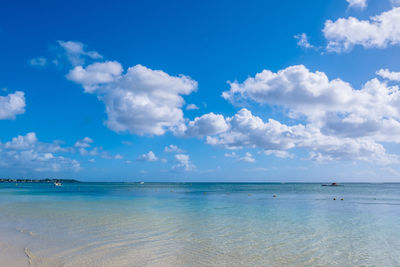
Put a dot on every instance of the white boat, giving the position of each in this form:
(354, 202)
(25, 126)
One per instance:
(141, 182)
(57, 184)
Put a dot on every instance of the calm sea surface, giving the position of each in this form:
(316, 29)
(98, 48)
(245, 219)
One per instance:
(202, 224)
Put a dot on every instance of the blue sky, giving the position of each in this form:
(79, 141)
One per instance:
(200, 91)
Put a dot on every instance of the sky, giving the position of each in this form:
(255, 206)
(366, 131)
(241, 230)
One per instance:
(210, 91)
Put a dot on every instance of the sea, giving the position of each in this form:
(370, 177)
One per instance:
(199, 224)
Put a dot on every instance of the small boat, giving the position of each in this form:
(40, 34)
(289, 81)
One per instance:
(332, 184)
(141, 182)
(57, 184)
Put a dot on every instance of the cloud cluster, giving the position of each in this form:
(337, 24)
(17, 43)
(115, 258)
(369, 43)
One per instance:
(248, 131)
(12, 105)
(333, 106)
(26, 152)
(379, 31)
(141, 101)
(337, 122)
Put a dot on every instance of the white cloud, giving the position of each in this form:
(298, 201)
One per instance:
(390, 75)
(248, 157)
(357, 3)
(38, 61)
(89, 152)
(150, 156)
(11, 105)
(208, 124)
(191, 107)
(76, 52)
(27, 153)
(141, 101)
(302, 40)
(279, 153)
(183, 163)
(22, 142)
(85, 142)
(380, 31)
(231, 155)
(95, 74)
(173, 148)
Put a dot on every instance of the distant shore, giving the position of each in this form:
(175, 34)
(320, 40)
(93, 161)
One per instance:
(7, 180)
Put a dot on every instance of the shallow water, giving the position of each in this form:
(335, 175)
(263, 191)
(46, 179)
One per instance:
(202, 224)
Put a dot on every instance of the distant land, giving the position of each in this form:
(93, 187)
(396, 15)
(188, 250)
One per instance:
(7, 180)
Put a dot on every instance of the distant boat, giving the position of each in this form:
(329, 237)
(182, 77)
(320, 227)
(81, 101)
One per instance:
(57, 184)
(332, 184)
(141, 182)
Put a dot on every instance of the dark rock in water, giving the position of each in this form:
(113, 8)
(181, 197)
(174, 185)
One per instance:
(332, 184)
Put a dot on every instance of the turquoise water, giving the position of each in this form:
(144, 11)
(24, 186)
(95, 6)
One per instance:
(202, 224)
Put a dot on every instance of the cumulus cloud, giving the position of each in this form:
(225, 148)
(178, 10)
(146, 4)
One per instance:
(379, 31)
(12, 105)
(248, 157)
(26, 152)
(95, 74)
(208, 124)
(77, 53)
(302, 40)
(149, 156)
(141, 101)
(361, 4)
(173, 148)
(333, 106)
(341, 122)
(183, 163)
(390, 75)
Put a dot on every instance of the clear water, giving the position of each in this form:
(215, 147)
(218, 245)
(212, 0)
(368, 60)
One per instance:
(203, 224)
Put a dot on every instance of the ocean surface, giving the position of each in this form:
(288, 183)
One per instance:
(199, 224)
